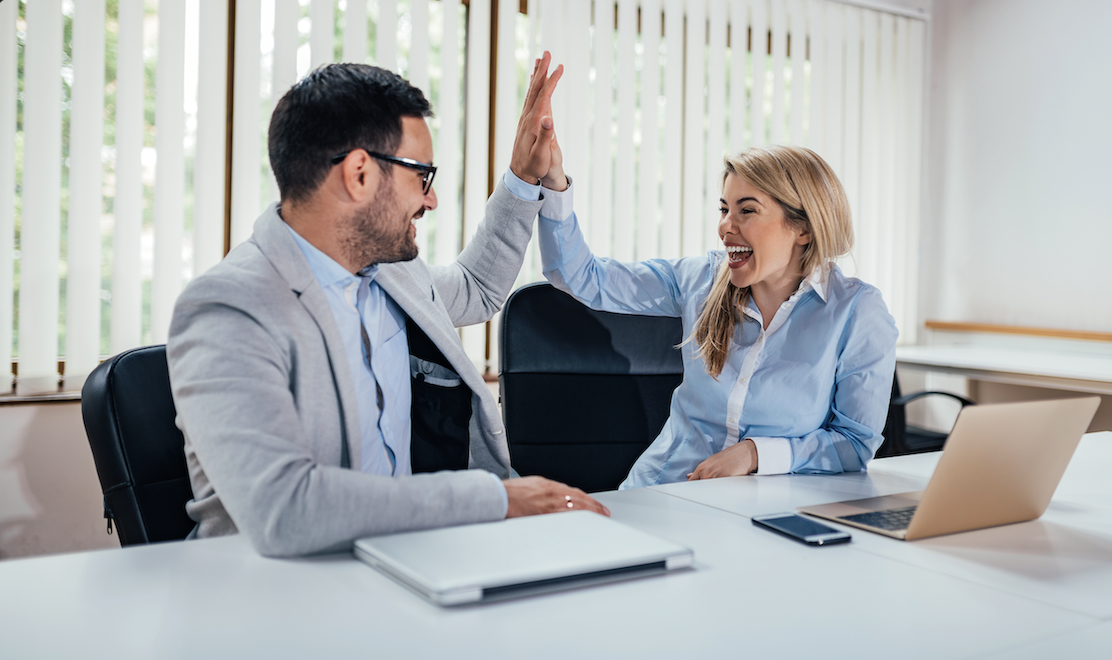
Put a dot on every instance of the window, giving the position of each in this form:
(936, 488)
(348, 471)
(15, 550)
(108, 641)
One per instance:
(120, 187)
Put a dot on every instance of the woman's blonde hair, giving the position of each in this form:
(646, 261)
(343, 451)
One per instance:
(812, 199)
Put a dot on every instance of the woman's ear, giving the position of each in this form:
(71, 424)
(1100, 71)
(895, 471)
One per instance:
(804, 237)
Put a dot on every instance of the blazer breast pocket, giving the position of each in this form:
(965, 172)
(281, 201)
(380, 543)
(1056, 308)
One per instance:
(433, 373)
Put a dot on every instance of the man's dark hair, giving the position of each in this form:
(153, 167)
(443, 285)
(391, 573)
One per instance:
(336, 108)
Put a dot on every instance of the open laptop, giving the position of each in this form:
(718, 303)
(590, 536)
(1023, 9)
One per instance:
(1001, 465)
(519, 557)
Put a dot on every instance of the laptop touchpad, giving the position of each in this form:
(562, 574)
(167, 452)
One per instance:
(899, 501)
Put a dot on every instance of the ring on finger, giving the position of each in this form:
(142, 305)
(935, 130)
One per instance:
(571, 505)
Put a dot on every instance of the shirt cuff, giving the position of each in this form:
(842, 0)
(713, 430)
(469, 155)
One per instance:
(502, 490)
(558, 203)
(774, 455)
(530, 192)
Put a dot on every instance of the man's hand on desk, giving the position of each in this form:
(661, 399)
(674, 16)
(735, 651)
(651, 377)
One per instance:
(739, 460)
(532, 495)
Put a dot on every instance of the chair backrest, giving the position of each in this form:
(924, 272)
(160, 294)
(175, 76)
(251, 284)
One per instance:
(902, 438)
(895, 427)
(138, 450)
(583, 392)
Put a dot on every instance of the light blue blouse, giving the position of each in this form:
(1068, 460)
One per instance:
(811, 390)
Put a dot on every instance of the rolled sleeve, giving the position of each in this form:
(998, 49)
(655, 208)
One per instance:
(774, 455)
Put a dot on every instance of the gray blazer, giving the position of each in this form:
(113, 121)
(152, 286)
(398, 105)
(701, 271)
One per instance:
(266, 401)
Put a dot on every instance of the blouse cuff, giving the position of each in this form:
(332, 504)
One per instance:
(558, 203)
(774, 455)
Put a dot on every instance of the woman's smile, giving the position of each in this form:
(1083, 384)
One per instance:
(764, 250)
(739, 255)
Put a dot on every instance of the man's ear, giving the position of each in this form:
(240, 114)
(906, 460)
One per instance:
(360, 175)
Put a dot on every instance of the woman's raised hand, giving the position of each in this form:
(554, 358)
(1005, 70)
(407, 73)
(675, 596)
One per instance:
(532, 154)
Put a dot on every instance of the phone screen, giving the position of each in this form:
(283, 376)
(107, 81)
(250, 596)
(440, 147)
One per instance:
(798, 526)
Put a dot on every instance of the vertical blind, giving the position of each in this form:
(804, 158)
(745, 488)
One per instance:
(83, 231)
(279, 41)
(151, 190)
(9, 77)
(701, 79)
(126, 294)
(40, 192)
(112, 128)
(122, 142)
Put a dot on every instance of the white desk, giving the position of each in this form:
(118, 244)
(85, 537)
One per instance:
(1063, 558)
(1028, 590)
(999, 374)
(1075, 372)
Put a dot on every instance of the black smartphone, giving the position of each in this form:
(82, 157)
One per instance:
(801, 529)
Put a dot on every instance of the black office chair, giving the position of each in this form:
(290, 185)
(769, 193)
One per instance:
(138, 451)
(901, 438)
(583, 392)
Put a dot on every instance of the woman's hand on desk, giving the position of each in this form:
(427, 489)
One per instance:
(739, 460)
(529, 496)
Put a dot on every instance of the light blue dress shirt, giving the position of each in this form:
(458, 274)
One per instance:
(811, 390)
(530, 192)
(384, 438)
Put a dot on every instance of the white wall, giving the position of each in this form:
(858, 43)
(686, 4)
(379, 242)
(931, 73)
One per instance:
(49, 494)
(1017, 224)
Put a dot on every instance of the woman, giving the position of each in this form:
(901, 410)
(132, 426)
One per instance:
(788, 363)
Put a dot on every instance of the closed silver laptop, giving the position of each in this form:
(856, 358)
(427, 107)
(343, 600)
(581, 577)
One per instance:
(519, 557)
(1001, 465)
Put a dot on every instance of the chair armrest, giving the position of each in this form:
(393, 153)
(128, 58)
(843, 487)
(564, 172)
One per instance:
(908, 398)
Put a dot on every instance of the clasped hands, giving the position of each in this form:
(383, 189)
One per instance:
(536, 155)
(537, 159)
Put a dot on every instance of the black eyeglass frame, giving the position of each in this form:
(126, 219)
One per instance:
(429, 170)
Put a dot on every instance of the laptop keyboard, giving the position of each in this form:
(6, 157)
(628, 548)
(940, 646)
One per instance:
(891, 520)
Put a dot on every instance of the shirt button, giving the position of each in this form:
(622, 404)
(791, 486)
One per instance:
(742, 379)
(732, 420)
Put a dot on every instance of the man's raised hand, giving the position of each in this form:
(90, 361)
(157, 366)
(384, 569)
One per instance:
(533, 145)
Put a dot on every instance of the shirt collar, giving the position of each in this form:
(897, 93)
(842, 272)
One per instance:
(819, 280)
(327, 271)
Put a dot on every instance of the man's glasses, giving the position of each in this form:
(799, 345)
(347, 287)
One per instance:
(428, 170)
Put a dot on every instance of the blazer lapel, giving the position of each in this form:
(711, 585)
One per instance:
(417, 301)
(273, 238)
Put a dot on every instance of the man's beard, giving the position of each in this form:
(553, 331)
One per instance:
(377, 235)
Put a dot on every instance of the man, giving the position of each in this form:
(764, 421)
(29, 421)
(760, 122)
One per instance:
(316, 369)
